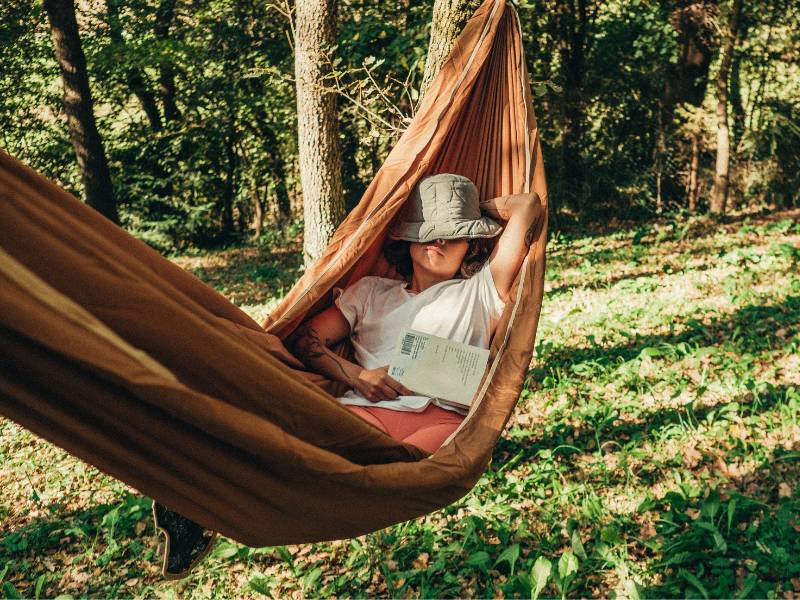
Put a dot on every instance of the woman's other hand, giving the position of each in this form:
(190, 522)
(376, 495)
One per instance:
(376, 385)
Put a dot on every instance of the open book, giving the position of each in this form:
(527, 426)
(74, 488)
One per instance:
(437, 367)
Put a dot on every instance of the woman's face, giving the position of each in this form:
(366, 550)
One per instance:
(442, 258)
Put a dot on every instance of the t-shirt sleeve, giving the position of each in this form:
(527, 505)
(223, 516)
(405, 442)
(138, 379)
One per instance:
(352, 300)
(488, 293)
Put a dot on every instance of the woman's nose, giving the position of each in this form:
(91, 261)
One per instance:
(441, 242)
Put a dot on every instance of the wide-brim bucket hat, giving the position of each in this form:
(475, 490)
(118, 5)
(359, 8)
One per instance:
(443, 206)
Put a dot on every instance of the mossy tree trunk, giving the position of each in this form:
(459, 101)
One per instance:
(79, 108)
(719, 193)
(449, 18)
(317, 129)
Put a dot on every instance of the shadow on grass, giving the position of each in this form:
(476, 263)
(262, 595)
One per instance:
(104, 533)
(253, 275)
(751, 328)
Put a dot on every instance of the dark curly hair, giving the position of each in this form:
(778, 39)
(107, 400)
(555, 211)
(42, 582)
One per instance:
(398, 254)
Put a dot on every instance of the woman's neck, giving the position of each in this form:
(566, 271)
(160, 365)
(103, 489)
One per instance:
(421, 281)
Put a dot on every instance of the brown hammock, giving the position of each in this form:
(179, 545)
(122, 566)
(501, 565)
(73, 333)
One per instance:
(114, 353)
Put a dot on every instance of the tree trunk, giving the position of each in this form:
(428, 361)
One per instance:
(135, 78)
(694, 171)
(449, 18)
(572, 27)
(79, 109)
(165, 14)
(258, 211)
(757, 98)
(686, 80)
(277, 169)
(318, 142)
(230, 181)
(719, 193)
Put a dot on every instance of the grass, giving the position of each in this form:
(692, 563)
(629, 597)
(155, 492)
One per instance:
(655, 451)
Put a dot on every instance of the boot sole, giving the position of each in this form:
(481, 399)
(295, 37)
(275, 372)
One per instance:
(175, 576)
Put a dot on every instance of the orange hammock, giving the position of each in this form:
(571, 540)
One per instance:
(117, 355)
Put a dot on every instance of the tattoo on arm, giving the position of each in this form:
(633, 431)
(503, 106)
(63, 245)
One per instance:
(533, 231)
(529, 234)
(310, 347)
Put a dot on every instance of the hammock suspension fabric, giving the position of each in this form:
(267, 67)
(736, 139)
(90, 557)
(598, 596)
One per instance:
(114, 353)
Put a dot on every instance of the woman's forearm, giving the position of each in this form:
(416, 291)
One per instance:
(310, 348)
(503, 207)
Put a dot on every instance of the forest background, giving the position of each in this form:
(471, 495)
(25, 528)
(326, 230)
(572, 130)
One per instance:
(195, 105)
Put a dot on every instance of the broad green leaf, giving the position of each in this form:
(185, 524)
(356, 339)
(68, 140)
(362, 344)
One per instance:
(226, 550)
(631, 589)
(9, 591)
(509, 555)
(310, 578)
(567, 565)
(479, 559)
(731, 512)
(260, 584)
(284, 553)
(694, 581)
(577, 545)
(540, 574)
(39, 585)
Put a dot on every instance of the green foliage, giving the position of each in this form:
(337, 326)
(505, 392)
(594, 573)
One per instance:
(727, 547)
(194, 177)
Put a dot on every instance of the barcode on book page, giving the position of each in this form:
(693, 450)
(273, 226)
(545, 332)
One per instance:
(408, 344)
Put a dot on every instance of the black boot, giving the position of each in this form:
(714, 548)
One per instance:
(187, 542)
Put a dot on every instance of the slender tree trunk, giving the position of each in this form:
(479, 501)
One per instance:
(686, 80)
(165, 15)
(79, 109)
(719, 193)
(258, 211)
(449, 18)
(277, 169)
(694, 171)
(318, 142)
(758, 96)
(230, 174)
(573, 23)
(737, 106)
(135, 78)
(658, 162)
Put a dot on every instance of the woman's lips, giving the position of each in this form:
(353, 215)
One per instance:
(435, 249)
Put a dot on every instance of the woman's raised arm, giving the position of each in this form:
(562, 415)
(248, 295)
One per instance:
(523, 214)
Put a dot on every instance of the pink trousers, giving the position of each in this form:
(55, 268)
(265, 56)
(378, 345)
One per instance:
(426, 429)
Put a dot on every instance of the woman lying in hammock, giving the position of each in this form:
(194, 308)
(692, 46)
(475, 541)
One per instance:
(451, 291)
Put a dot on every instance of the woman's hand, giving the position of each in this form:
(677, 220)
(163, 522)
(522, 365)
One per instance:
(376, 385)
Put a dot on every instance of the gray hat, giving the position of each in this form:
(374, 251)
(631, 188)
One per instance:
(443, 206)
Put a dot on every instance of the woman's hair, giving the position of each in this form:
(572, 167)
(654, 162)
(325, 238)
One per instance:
(398, 254)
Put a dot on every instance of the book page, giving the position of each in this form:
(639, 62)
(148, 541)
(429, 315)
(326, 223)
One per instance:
(437, 367)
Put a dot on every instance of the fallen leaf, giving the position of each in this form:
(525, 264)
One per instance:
(691, 457)
(784, 491)
(421, 561)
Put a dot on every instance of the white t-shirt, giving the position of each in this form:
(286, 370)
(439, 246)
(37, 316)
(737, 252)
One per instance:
(377, 308)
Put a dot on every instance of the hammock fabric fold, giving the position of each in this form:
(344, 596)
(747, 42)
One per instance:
(130, 363)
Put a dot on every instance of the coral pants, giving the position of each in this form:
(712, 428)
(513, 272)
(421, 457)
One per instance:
(426, 429)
